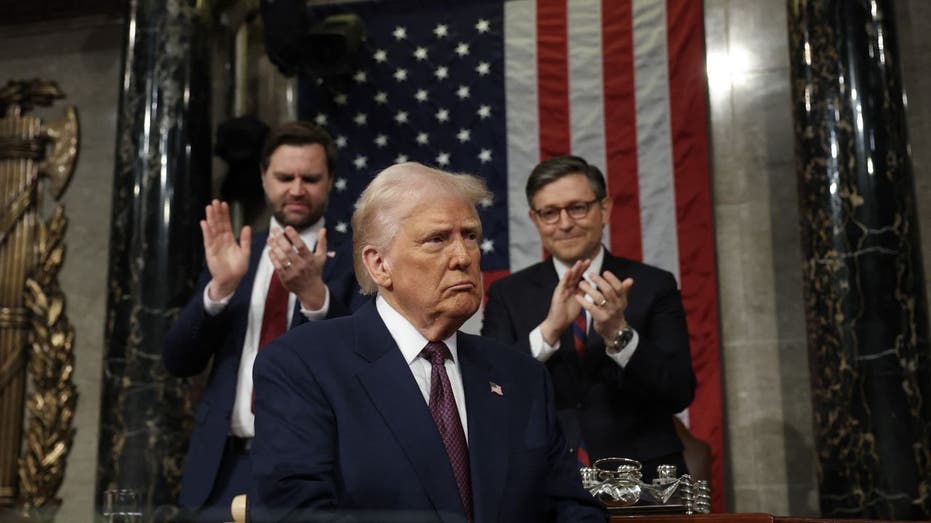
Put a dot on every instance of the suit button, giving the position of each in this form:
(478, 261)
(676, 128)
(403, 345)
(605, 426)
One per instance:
(578, 405)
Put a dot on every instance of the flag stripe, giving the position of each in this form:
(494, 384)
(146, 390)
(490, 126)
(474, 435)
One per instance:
(585, 84)
(523, 144)
(695, 226)
(620, 126)
(552, 77)
(654, 147)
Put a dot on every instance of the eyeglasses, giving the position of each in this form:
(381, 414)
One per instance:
(575, 210)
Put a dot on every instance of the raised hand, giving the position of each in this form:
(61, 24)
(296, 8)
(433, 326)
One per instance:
(609, 302)
(563, 305)
(299, 268)
(227, 259)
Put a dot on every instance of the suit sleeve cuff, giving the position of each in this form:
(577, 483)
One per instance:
(539, 349)
(320, 313)
(622, 357)
(211, 307)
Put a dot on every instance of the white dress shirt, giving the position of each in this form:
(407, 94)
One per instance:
(542, 350)
(242, 421)
(411, 342)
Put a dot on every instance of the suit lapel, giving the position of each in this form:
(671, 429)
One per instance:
(487, 416)
(394, 393)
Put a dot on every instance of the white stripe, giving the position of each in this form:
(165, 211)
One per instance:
(520, 90)
(586, 88)
(654, 136)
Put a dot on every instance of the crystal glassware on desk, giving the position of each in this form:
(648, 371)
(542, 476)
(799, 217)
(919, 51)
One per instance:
(121, 506)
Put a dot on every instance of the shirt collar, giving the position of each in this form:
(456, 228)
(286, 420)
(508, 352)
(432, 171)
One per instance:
(408, 338)
(309, 234)
(595, 267)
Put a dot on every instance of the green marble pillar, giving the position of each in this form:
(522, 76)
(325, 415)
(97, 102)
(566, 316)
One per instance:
(866, 309)
(160, 186)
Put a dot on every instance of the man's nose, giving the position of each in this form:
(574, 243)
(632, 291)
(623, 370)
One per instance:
(564, 221)
(296, 186)
(461, 255)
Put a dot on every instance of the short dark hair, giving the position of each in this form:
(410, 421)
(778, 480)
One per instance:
(548, 171)
(299, 133)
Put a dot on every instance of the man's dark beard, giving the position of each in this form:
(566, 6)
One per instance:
(303, 224)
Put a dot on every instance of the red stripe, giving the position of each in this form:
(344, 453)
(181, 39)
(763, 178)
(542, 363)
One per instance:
(688, 116)
(553, 78)
(620, 121)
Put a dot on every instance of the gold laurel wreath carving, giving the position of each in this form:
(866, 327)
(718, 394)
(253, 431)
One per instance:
(51, 405)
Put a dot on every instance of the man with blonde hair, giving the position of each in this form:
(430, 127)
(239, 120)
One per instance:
(392, 414)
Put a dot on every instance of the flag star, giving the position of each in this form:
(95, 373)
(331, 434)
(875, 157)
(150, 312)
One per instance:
(488, 245)
(485, 155)
(341, 141)
(400, 75)
(484, 111)
(441, 73)
(360, 77)
(462, 49)
(342, 227)
(401, 117)
(463, 92)
(485, 202)
(402, 158)
(399, 33)
(441, 30)
(420, 54)
(381, 56)
(340, 184)
(340, 99)
(482, 26)
(360, 118)
(442, 115)
(442, 159)
(483, 68)
(423, 138)
(320, 119)
(464, 135)
(381, 140)
(421, 95)
(360, 162)
(381, 97)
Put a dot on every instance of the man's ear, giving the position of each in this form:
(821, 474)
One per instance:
(377, 265)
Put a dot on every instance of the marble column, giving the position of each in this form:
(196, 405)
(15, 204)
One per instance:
(866, 310)
(161, 184)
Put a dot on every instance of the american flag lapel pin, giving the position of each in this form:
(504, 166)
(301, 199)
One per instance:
(496, 388)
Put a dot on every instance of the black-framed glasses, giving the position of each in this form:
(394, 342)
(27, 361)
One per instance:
(575, 210)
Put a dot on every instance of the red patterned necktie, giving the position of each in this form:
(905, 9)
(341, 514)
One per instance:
(579, 334)
(275, 317)
(446, 417)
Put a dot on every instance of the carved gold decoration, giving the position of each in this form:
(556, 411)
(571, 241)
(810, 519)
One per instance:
(50, 433)
(32, 306)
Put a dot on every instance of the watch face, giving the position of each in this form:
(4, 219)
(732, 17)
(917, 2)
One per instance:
(623, 337)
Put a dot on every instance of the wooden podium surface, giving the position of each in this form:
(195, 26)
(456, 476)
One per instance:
(729, 518)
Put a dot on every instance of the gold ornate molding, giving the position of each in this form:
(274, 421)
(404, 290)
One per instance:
(36, 338)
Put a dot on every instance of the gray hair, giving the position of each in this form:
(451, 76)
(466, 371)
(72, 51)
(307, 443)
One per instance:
(383, 205)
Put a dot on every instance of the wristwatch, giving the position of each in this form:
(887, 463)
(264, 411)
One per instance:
(622, 338)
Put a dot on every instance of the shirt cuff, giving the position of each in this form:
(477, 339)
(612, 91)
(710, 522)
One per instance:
(211, 307)
(539, 349)
(622, 357)
(320, 313)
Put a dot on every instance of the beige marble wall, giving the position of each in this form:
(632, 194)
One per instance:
(767, 400)
(767, 409)
(83, 56)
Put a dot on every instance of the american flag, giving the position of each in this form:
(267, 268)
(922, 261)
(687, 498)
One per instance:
(492, 87)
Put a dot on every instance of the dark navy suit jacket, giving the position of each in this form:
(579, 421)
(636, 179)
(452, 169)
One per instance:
(197, 338)
(342, 430)
(622, 412)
